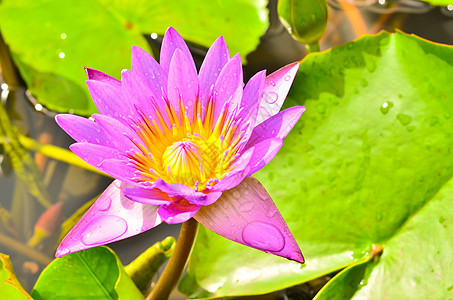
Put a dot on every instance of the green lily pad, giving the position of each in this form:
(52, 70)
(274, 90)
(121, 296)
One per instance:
(416, 263)
(373, 148)
(96, 273)
(52, 41)
(10, 287)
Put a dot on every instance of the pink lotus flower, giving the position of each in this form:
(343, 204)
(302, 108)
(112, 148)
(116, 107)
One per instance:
(183, 145)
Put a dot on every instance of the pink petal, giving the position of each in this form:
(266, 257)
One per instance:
(81, 129)
(228, 87)
(112, 217)
(263, 153)
(178, 190)
(148, 196)
(275, 91)
(250, 104)
(277, 126)
(247, 215)
(94, 154)
(148, 71)
(120, 169)
(182, 83)
(146, 100)
(109, 100)
(178, 212)
(213, 63)
(93, 74)
(172, 41)
(119, 136)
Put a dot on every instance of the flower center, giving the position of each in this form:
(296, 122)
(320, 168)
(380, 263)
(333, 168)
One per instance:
(195, 151)
(189, 161)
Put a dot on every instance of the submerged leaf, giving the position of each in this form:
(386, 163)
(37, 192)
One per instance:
(23, 164)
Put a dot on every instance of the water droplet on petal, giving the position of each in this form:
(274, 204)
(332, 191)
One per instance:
(271, 97)
(246, 207)
(104, 205)
(63, 251)
(103, 230)
(287, 78)
(263, 236)
(236, 195)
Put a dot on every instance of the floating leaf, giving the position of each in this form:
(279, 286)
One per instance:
(96, 273)
(10, 287)
(416, 263)
(53, 40)
(373, 148)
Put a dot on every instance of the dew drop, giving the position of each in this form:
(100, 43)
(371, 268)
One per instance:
(404, 119)
(263, 236)
(104, 205)
(103, 230)
(271, 97)
(385, 107)
(247, 206)
(63, 251)
(287, 78)
(371, 65)
(236, 195)
(364, 82)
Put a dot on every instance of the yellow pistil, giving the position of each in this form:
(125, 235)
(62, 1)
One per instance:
(192, 151)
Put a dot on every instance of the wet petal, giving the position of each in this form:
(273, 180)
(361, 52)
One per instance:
(182, 191)
(111, 218)
(275, 91)
(148, 71)
(263, 153)
(94, 154)
(120, 169)
(250, 104)
(148, 196)
(172, 41)
(109, 100)
(81, 129)
(277, 126)
(178, 212)
(228, 87)
(119, 135)
(213, 63)
(142, 98)
(247, 215)
(182, 83)
(93, 74)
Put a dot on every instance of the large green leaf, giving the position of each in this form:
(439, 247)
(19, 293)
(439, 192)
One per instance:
(416, 263)
(96, 273)
(10, 287)
(374, 146)
(53, 40)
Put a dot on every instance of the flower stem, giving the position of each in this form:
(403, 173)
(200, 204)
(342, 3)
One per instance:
(177, 262)
(314, 47)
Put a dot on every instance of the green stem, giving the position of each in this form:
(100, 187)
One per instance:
(56, 153)
(177, 262)
(313, 47)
